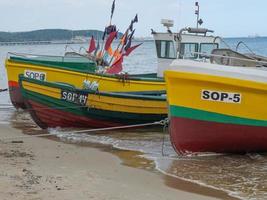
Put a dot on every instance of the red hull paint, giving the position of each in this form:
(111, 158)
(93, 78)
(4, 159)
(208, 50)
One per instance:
(189, 135)
(16, 95)
(46, 117)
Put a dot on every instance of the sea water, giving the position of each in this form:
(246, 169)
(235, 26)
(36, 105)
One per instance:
(242, 176)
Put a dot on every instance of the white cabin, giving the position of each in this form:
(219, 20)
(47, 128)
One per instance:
(189, 43)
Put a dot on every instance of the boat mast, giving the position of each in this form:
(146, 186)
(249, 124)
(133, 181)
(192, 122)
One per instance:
(199, 21)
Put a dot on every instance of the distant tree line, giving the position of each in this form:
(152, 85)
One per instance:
(48, 35)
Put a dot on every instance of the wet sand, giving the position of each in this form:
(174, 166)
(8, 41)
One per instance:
(38, 168)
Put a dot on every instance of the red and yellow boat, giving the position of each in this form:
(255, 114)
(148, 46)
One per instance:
(216, 108)
(74, 71)
(54, 104)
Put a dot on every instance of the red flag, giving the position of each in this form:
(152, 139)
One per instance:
(92, 46)
(129, 50)
(110, 39)
(116, 67)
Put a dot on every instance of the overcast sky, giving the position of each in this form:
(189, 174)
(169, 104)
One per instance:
(226, 17)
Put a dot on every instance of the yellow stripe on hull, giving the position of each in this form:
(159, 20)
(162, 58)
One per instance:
(77, 78)
(185, 89)
(127, 105)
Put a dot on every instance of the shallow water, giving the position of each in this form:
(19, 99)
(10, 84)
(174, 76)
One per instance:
(242, 176)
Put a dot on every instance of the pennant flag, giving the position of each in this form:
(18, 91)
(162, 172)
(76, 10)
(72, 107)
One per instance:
(129, 43)
(110, 51)
(124, 38)
(110, 39)
(92, 46)
(99, 54)
(112, 9)
(97, 48)
(116, 67)
(135, 19)
(131, 26)
(130, 49)
(116, 54)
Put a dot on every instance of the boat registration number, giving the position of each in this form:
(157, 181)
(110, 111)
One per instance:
(226, 97)
(74, 97)
(35, 75)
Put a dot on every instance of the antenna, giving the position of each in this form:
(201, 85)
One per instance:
(199, 21)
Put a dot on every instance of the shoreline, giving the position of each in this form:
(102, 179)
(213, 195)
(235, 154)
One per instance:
(42, 168)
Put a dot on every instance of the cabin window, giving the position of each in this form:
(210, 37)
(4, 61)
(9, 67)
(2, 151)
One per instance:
(206, 48)
(165, 49)
(188, 50)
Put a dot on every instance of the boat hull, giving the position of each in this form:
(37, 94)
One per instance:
(48, 106)
(74, 77)
(211, 113)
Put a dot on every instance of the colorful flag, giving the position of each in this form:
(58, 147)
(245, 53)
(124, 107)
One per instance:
(116, 67)
(110, 51)
(112, 9)
(110, 39)
(97, 48)
(130, 49)
(124, 38)
(92, 46)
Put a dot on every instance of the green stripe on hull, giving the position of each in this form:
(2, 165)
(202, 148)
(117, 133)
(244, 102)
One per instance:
(123, 117)
(190, 113)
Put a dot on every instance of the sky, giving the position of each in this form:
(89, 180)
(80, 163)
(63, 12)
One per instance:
(228, 18)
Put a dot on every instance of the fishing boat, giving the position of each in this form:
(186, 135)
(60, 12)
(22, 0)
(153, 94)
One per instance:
(53, 104)
(75, 71)
(220, 106)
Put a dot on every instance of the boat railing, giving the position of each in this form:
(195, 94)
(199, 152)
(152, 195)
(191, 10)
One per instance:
(57, 57)
(222, 40)
(204, 55)
(245, 45)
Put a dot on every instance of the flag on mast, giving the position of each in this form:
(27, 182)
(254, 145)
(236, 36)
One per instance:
(130, 49)
(110, 39)
(116, 66)
(92, 46)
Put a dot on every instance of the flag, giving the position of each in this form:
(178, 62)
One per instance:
(97, 48)
(116, 67)
(117, 55)
(110, 51)
(130, 49)
(129, 43)
(131, 26)
(135, 20)
(110, 39)
(92, 46)
(112, 9)
(124, 38)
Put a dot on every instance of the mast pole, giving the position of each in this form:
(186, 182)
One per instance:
(197, 12)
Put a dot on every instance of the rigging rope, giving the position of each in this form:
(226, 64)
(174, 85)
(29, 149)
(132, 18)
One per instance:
(162, 122)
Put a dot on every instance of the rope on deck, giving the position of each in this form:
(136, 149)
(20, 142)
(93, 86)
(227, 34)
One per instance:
(7, 139)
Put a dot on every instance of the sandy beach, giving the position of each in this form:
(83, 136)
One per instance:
(39, 168)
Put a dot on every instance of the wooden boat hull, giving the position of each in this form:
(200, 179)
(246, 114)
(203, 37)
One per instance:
(48, 107)
(74, 76)
(211, 113)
